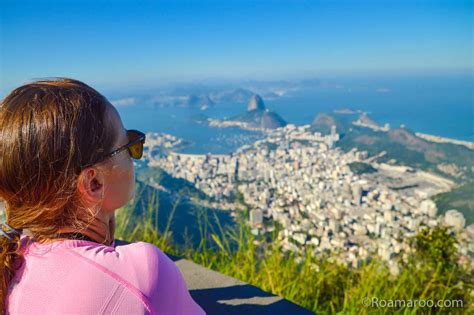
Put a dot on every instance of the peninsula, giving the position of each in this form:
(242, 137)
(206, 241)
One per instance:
(256, 118)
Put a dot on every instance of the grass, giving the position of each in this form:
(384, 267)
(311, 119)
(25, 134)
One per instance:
(460, 198)
(317, 283)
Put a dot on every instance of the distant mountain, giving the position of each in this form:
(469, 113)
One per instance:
(272, 95)
(401, 145)
(365, 119)
(323, 122)
(200, 101)
(197, 101)
(238, 95)
(271, 120)
(255, 103)
(410, 140)
(257, 116)
(208, 93)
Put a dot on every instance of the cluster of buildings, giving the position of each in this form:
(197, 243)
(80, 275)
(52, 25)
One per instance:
(232, 123)
(155, 139)
(298, 179)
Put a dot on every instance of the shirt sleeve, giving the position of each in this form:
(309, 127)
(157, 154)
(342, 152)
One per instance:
(167, 290)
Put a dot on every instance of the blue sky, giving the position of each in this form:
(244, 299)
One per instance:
(114, 43)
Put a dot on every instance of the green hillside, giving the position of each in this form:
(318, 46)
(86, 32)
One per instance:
(461, 199)
(400, 144)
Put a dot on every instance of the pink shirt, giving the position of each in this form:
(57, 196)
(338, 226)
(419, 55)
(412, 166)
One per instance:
(83, 277)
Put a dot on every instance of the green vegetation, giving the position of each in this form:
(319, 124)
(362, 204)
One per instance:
(316, 283)
(435, 248)
(157, 175)
(270, 146)
(407, 149)
(460, 198)
(179, 202)
(361, 168)
(400, 144)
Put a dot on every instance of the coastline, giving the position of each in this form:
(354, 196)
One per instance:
(386, 128)
(438, 139)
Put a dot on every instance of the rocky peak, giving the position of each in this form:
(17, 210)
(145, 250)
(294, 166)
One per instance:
(255, 103)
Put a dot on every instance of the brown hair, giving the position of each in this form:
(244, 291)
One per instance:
(48, 130)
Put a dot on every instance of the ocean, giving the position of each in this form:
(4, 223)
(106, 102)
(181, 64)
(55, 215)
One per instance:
(437, 105)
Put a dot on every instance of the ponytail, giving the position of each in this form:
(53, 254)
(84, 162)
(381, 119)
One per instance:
(11, 259)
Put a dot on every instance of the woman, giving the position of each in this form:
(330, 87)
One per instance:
(65, 167)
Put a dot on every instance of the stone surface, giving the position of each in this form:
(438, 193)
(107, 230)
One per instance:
(219, 294)
(255, 103)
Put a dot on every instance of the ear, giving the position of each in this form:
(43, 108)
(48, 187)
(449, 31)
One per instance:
(91, 184)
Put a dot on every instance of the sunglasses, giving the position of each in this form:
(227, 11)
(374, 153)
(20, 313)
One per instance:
(136, 140)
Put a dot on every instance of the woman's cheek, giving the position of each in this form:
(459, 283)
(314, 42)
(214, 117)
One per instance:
(125, 180)
(131, 180)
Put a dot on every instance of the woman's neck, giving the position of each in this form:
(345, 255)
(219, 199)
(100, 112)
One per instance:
(75, 236)
(100, 230)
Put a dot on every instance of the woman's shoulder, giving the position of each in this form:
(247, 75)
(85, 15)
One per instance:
(158, 278)
(141, 267)
(147, 257)
(132, 261)
(140, 264)
(146, 254)
(170, 293)
(137, 253)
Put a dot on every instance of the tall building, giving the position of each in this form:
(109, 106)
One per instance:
(455, 219)
(357, 194)
(236, 172)
(346, 190)
(256, 217)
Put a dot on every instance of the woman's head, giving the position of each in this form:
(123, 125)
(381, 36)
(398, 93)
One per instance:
(50, 130)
